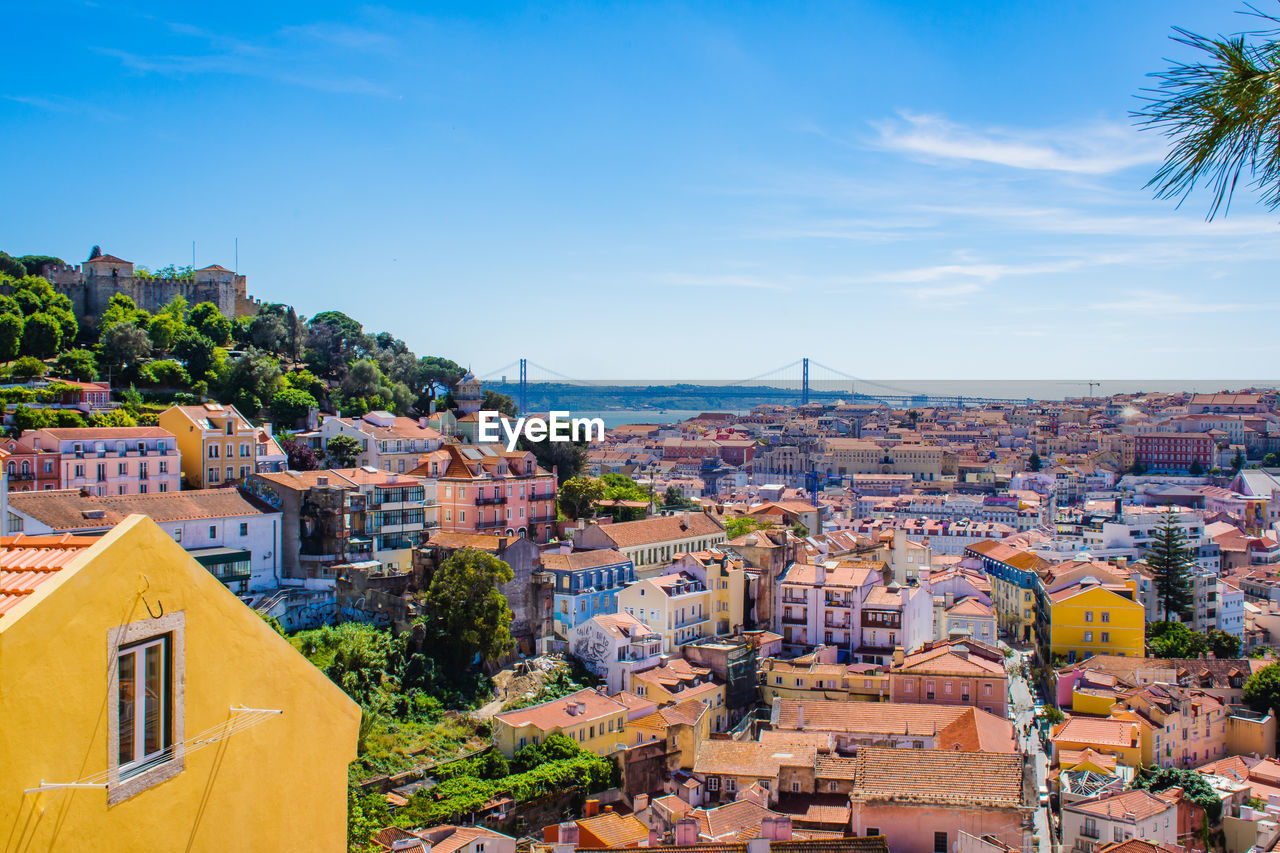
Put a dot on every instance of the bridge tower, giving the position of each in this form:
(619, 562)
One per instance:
(804, 384)
(524, 386)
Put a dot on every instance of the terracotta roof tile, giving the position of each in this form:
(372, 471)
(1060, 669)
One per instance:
(28, 561)
(939, 776)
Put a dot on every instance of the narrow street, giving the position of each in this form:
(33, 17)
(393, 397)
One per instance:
(1022, 710)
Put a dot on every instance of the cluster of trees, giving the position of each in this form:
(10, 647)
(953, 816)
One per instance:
(275, 363)
(581, 496)
(1176, 640)
(558, 764)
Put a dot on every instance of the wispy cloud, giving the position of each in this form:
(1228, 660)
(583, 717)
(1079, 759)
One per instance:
(59, 104)
(1095, 149)
(1065, 220)
(1149, 302)
(297, 56)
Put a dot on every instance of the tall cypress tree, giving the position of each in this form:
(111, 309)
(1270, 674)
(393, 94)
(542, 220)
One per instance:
(1170, 560)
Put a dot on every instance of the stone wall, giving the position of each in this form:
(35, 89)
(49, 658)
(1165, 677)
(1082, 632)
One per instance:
(91, 294)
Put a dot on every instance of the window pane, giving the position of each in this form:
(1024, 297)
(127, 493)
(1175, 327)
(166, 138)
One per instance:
(153, 724)
(127, 682)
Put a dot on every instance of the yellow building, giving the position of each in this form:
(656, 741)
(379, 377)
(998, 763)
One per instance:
(699, 596)
(1090, 618)
(218, 444)
(817, 676)
(595, 721)
(144, 707)
(679, 681)
(1121, 739)
(684, 726)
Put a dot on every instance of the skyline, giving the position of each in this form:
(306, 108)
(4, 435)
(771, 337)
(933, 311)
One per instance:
(963, 188)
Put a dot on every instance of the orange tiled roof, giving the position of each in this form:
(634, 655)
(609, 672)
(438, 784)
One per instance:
(28, 561)
(939, 776)
(1140, 804)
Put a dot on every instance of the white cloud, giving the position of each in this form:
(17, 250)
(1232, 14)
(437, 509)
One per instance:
(1095, 149)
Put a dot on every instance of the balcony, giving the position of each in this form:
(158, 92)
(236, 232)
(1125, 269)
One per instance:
(21, 475)
(795, 620)
(1090, 832)
(541, 519)
(490, 500)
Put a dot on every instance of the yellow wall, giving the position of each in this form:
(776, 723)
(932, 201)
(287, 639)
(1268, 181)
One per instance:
(190, 444)
(1125, 629)
(1128, 756)
(592, 733)
(278, 786)
(1097, 706)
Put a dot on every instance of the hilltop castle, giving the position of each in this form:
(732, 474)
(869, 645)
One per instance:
(91, 285)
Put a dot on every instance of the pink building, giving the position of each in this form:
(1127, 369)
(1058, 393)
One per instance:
(921, 799)
(113, 460)
(487, 489)
(961, 672)
(29, 469)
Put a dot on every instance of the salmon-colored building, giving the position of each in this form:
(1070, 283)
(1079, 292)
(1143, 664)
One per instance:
(922, 799)
(487, 489)
(960, 672)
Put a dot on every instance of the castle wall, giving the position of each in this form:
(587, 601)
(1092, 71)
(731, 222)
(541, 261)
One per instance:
(91, 294)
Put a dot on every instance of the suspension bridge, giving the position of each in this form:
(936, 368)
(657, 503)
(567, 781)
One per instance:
(803, 381)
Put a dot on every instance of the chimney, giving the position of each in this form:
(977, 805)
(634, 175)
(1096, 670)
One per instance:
(568, 833)
(84, 492)
(639, 803)
(592, 808)
(820, 574)
(686, 831)
(686, 521)
(800, 716)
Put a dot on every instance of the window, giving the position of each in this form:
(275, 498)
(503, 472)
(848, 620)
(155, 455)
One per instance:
(873, 830)
(1088, 616)
(939, 842)
(177, 535)
(146, 719)
(244, 528)
(1088, 636)
(213, 531)
(1106, 616)
(1106, 636)
(213, 451)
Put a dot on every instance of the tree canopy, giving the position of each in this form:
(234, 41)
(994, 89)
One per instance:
(468, 608)
(1171, 562)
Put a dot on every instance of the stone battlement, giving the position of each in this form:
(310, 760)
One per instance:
(91, 294)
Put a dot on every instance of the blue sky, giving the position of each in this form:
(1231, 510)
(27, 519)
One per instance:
(934, 189)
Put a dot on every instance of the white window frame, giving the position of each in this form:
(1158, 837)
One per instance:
(122, 783)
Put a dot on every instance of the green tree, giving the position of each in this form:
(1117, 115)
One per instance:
(289, 405)
(80, 364)
(1224, 645)
(673, 498)
(165, 373)
(35, 264)
(1195, 469)
(162, 330)
(1221, 113)
(1237, 461)
(200, 354)
(1262, 690)
(124, 344)
(741, 526)
(469, 609)
(493, 401)
(1174, 640)
(1171, 561)
(10, 336)
(565, 458)
(578, 496)
(1033, 462)
(26, 418)
(11, 266)
(41, 335)
(251, 381)
(28, 367)
(206, 319)
(341, 451)
(120, 309)
(1271, 460)
(1193, 784)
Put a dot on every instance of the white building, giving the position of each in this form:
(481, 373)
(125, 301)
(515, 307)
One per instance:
(236, 537)
(387, 442)
(614, 646)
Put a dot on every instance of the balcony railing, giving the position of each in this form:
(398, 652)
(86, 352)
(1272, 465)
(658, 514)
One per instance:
(490, 500)
(794, 620)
